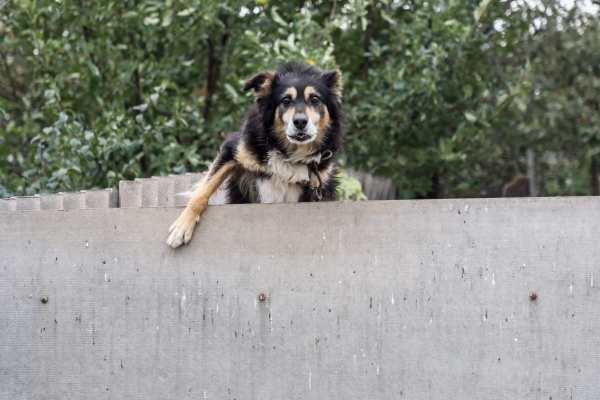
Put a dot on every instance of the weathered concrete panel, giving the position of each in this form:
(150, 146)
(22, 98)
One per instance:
(150, 192)
(107, 198)
(73, 200)
(51, 201)
(130, 194)
(9, 204)
(378, 300)
(28, 203)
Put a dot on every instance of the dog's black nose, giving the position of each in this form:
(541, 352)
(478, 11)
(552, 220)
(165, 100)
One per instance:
(300, 121)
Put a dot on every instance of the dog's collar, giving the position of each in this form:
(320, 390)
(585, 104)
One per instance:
(313, 168)
(326, 155)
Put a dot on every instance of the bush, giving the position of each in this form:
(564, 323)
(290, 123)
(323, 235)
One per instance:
(438, 94)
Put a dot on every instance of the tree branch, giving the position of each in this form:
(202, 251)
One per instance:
(87, 33)
(367, 43)
(9, 76)
(332, 14)
(478, 20)
(213, 70)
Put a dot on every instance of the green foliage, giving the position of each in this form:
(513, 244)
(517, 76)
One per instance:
(437, 93)
(349, 188)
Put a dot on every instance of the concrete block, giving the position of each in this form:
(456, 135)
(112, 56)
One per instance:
(28, 203)
(182, 184)
(165, 187)
(113, 197)
(51, 201)
(150, 192)
(73, 200)
(107, 198)
(9, 204)
(195, 177)
(384, 300)
(130, 194)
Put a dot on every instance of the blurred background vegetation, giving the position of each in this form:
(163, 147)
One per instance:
(447, 98)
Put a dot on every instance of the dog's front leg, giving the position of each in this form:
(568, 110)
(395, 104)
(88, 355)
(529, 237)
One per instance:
(182, 229)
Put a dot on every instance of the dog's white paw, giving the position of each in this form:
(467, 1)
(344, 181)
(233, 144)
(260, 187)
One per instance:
(182, 230)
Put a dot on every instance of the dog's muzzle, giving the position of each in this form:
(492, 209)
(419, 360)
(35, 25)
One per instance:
(301, 130)
(300, 137)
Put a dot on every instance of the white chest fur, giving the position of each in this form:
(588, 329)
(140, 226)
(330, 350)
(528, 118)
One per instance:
(286, 171)
(283, 184)
(275, 191)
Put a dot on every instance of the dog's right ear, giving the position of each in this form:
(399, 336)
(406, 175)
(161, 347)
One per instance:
(261, 83)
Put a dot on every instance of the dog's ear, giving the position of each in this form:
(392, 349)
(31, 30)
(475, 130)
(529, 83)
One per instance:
(333, 80)
(261, 83)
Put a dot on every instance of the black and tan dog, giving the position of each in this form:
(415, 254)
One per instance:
(285, 151)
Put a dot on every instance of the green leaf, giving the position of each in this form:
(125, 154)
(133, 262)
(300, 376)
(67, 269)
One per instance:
(187, 12)
(151, 20)
(142, 107)
(167, 18)
(421, 156)
(468, 91)
(232, 92)
(277, 18)
(470, 116)
(130, 14)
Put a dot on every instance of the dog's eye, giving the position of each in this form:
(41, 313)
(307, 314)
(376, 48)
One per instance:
(314, 99)
(286, 101)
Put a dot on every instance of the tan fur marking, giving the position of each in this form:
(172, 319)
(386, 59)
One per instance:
(308, 91)
(292, 92)
(210, 185)
(247, 159)
(265, 88)
(338, 85)
(280, 124)
(324, 121)
(314, 116)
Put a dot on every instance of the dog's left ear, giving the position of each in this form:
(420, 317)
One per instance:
(261, 83)
(333, 80)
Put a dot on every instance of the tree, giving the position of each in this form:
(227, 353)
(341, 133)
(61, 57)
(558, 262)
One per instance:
(444, 97)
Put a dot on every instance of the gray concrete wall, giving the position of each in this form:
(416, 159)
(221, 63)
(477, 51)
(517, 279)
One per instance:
(376, 300)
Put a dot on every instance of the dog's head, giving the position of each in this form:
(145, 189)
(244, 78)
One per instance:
(297, 101)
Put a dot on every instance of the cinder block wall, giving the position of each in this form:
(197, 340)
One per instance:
(381, 300)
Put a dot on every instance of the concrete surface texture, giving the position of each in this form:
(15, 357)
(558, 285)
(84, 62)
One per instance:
(107, 198)
(375, 300)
